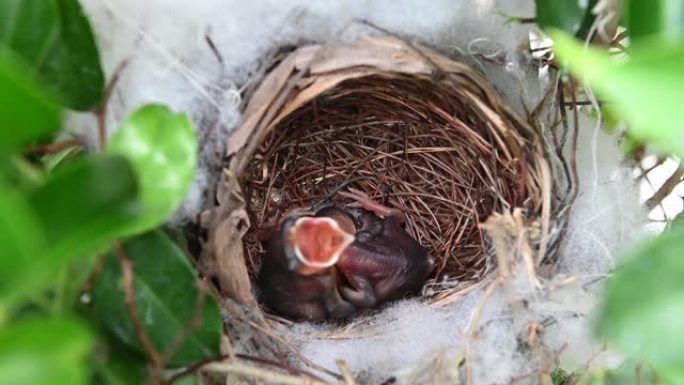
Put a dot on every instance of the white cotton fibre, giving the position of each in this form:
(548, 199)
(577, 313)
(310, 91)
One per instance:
(168, 47)
(606, 217)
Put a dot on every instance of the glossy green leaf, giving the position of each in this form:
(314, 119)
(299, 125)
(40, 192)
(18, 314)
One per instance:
(654, 17)
(644, 303)
(162, 147)
(571, 16)
(55, 38)
(118, 364)
(29, 27)
(82, 208)
(646, 90)
(21, 239)
(73, 66)
(166, 294)
(44, 352)
(26, 115)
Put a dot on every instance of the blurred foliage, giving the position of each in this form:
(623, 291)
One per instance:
(572, 17)
(645, 19)
(44, 351)
(628, 373)
(643, 304)
(646, 90)
(23, 102)
(61, 211)
(162, 147)
(56, 41)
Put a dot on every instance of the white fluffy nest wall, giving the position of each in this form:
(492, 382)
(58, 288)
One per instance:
(198, 57)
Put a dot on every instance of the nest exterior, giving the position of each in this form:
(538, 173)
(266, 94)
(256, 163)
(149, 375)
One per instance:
(408, 126)
(439, 146)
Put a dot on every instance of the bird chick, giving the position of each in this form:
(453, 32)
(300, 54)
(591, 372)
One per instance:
(384, 263)
(342, 260)
(297, 278)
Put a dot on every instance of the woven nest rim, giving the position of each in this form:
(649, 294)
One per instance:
(312, 71)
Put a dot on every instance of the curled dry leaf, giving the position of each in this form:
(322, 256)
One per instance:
(223, 259)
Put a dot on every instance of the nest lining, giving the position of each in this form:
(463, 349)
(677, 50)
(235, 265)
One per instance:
(410, 142)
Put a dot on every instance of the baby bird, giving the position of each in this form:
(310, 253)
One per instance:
(384, 263)
(297, 278)
(342, 260)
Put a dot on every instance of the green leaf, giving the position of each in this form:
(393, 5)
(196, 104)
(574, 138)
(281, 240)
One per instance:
(30, 27)
(81, 210)
(74, 63)
(162, 147)
(654, 17)
(21, 239)
(55, 38)
(26, 115)
(644, 303)
(86, 205)
(118, 364)
(44, 352)
(646, 91)
(165, 293)
(571, 16)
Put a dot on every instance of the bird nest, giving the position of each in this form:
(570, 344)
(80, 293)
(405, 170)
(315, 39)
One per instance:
(404, 124)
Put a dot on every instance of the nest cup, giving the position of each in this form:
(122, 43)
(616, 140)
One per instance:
(408, 126)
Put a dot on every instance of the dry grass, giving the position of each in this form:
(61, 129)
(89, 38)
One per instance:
(415, 144)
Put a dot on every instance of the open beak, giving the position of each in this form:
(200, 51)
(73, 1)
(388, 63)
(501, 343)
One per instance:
(318, 242)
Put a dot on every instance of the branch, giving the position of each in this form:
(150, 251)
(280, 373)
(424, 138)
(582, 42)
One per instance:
(202, 364)
(265, 375)
(101, 111)
(129, 289)
(52, 148)
(676, 178)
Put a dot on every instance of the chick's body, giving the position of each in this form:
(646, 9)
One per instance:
(383, 263)
(311, 297)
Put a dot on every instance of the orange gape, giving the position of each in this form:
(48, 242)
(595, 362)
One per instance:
(319, 241)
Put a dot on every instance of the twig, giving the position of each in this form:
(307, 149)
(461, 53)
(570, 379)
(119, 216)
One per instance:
(666, 189)
(129, 289)
(52, 148)
(213, 48)
(101, 111)
(346, 373)
(201, 364)
(265, 375)
(583, 103)
(94, 273)
(645, 172)
(546, 209)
